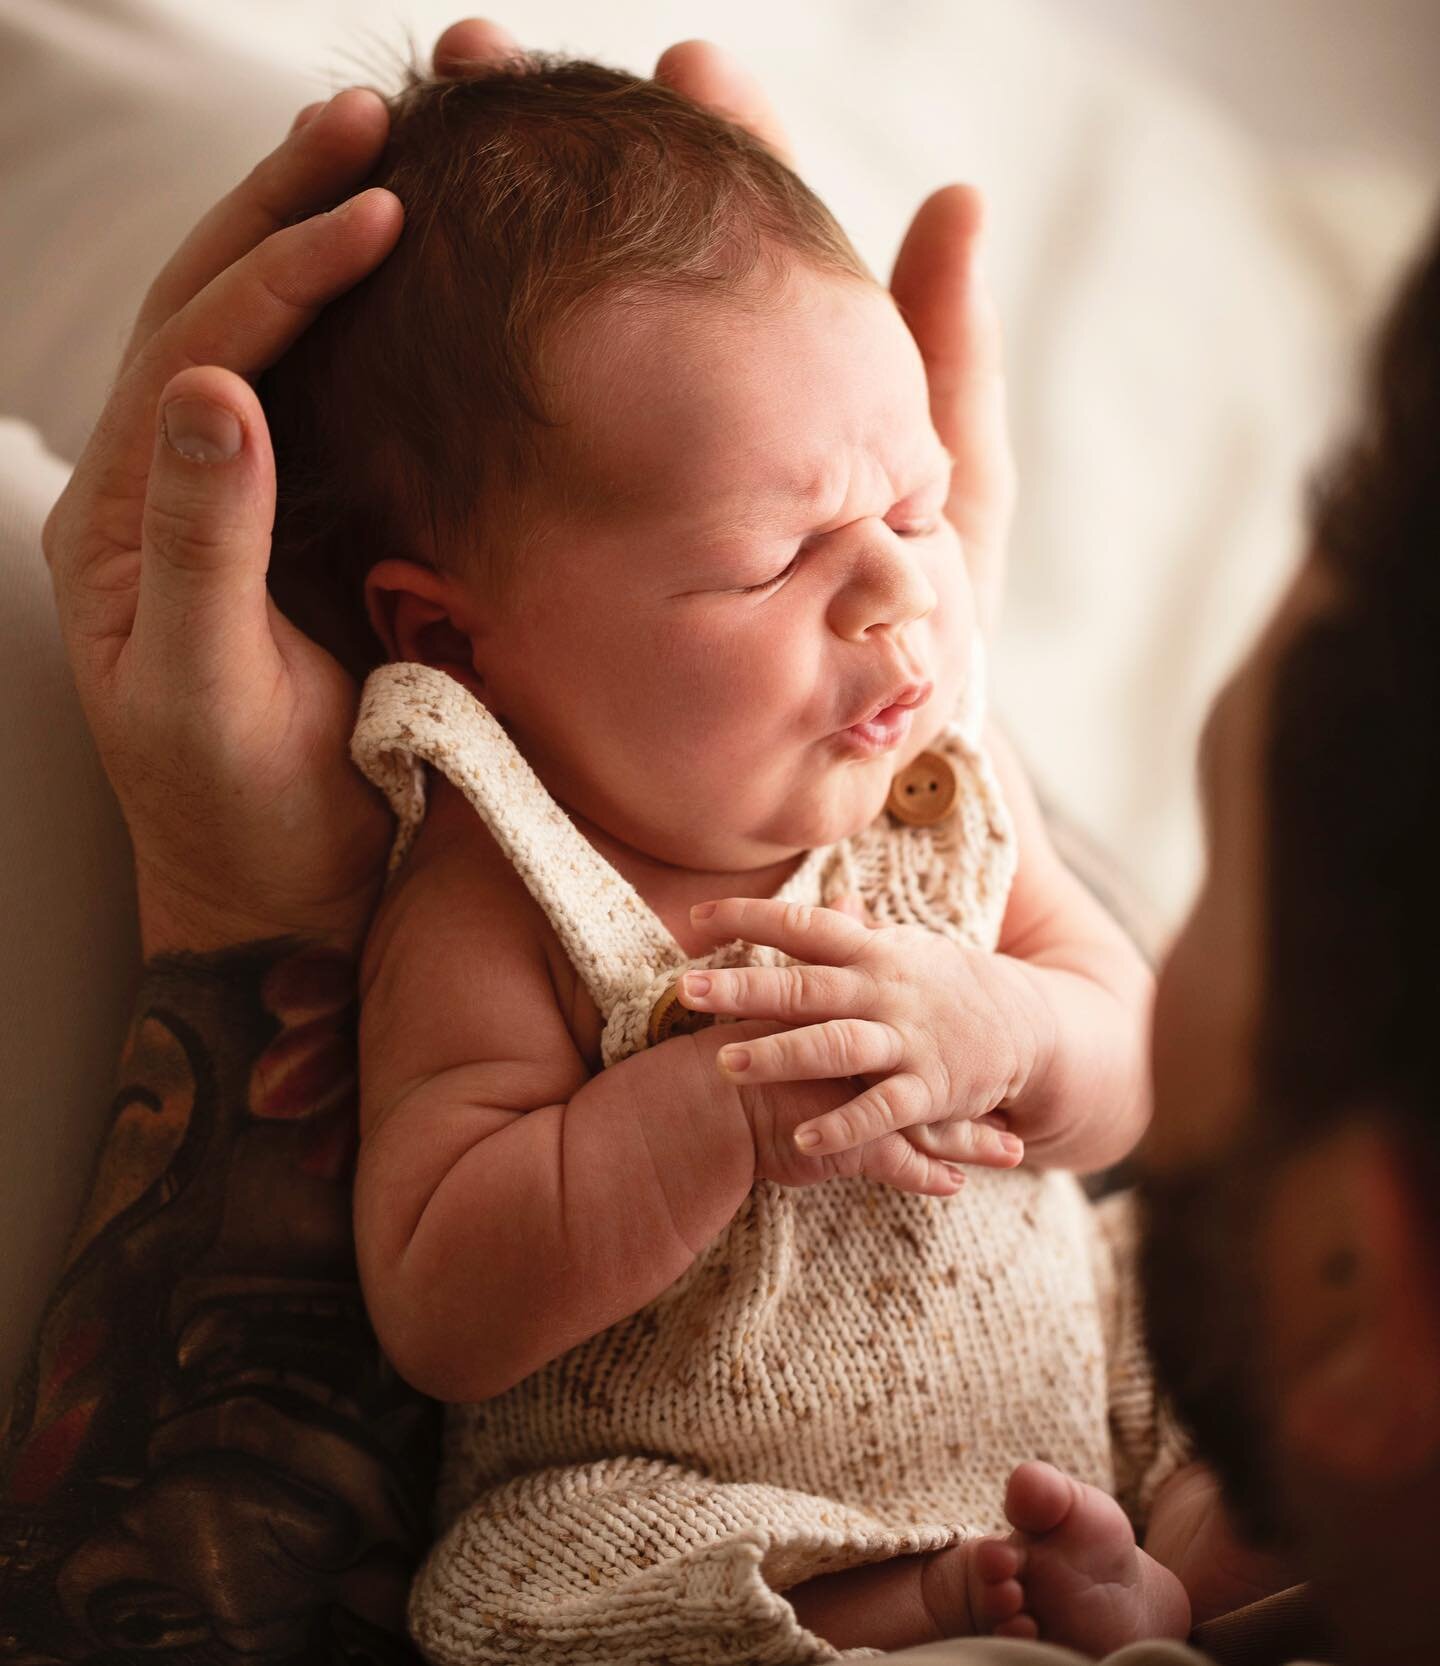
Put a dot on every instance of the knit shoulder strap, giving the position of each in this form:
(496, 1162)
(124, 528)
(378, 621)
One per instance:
(413, 715)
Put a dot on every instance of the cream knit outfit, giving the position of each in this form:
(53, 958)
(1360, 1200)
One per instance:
(847, 1373)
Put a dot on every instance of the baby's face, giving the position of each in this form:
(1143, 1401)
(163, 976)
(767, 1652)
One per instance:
(748, 610)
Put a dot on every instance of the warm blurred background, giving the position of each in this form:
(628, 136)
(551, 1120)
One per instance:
(1196, 208)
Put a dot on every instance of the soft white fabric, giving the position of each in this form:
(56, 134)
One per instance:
(70, 954)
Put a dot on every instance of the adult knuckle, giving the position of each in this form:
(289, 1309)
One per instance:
(177, 536)
(280, 273)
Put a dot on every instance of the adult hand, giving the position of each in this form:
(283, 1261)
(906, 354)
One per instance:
(222, 728)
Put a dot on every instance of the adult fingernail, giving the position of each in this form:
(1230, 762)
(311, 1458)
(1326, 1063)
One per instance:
(735, 1059)
(703, 910)
(202, 432)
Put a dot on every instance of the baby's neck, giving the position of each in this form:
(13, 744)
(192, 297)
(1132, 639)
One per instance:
(672, 892)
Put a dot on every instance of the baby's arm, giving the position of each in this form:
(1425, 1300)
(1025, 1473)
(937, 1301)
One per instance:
(1085, 1100)
(508, 1204)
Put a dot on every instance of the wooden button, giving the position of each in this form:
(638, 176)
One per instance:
(923, 792)
(668, 1017)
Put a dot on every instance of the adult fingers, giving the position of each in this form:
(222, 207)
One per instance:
(939, 286)
(206, 532)
(819, 1052)
(708, 76)
(321, 159)
(241, 321)
(474, 43)
(819, 936)
(789, 994)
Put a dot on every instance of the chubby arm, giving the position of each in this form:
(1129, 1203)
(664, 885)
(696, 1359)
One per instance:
(509, 1203)
(1082, 993)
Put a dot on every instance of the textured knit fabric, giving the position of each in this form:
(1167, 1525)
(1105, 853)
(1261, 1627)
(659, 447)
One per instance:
(847, 1373)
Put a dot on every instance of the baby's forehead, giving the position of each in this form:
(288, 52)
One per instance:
(773, 390)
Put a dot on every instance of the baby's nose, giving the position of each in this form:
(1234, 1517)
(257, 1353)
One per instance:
(886, 588)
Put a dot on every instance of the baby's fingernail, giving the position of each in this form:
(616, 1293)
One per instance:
(735, 1059)
(807, 1138)
(1014, 1147)
(694, 985)
(703, 910)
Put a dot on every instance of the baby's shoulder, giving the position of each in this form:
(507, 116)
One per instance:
(458, 909)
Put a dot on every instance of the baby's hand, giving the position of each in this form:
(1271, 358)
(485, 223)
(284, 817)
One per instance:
(942, 1036)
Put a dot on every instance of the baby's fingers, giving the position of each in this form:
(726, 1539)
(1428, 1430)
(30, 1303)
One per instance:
(788, 994)
(893, 1161)
(958, 1140)
(895, 1103)
(817, 1053)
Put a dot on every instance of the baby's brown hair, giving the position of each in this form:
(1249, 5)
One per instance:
(410, 419)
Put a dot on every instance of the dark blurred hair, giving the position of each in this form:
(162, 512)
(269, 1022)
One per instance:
(411, 417)
(1352, 883)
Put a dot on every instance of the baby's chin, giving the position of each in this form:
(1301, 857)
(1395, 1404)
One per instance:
(839, 810)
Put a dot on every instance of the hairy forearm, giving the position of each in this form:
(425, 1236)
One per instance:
(564, 1221)
(1086, 1100)
(206, 1451)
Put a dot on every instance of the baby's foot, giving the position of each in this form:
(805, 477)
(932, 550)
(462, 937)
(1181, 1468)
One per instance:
(1081, 1578)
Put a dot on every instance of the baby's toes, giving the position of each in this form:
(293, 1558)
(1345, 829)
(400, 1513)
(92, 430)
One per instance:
(996, 1594)
(1024, 1628)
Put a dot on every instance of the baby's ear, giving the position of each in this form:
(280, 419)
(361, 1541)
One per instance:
(422, 615)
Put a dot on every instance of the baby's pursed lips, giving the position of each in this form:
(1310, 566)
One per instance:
(908, 695)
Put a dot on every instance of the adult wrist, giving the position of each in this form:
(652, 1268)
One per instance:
(176, 919)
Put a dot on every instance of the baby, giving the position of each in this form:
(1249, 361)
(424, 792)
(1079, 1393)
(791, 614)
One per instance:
(632, 464)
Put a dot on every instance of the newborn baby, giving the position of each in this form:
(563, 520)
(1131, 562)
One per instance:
(632, 464)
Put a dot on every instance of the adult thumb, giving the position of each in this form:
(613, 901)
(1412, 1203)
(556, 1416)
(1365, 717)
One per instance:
(205, 533)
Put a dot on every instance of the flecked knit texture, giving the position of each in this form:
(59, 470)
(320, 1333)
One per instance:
(846, 1373)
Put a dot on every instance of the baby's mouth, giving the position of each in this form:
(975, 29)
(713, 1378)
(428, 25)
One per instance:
(886, 724)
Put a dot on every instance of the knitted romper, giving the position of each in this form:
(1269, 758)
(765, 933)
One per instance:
(847, 1373)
